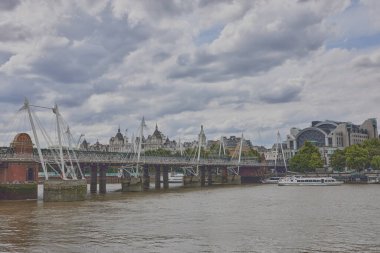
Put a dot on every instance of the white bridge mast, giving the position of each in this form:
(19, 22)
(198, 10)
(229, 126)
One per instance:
(278, 141)
(27, 107)
(56, 112)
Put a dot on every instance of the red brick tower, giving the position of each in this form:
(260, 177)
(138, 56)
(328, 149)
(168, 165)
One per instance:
(18, 180)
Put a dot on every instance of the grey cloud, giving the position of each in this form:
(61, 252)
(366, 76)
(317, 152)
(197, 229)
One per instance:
(256, 51)
(159, 57)
(204, 3)
(4, 57)
(283, 95)
(183, 59)
(167, 8)
(367, 62)
(8, 5)
(103, 43)
(15, 89)
(10, 33)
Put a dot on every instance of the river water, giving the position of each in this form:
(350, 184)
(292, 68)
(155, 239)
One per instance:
(247, 218)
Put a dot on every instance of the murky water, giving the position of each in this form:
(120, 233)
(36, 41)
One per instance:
(251, 218)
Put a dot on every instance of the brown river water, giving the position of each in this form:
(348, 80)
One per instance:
(247, 218)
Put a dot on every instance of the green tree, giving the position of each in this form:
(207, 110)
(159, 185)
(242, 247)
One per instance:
(338, 160)
(375, 162)
(298, 163)
(315, 161)
(373, 147)
(251, 153)
(158, 152)
(356, 157)
(307, 159)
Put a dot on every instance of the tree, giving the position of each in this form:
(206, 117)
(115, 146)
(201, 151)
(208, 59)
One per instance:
(315, 161)
(298, 163)
(373, 147)
(307, 159)
(356, 157)
(375, 162)
(158, 152)
(338, 160)
(251, 153)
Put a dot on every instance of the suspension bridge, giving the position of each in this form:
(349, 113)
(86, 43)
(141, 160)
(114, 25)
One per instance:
(61, 157)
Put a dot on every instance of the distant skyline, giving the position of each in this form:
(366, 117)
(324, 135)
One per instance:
(232, 66)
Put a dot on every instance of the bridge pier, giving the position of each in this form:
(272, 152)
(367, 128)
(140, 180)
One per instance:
(209, 176)
(165, 177)
(94, 178)
(233, 179)
(131, 184)
(102, 179)
(65, 190)
(203, 176)
(157, 182)
(191, 181)
(226, 179)
(146, 178)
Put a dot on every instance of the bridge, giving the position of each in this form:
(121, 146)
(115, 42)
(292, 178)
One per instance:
(25, 159)
(120, 159)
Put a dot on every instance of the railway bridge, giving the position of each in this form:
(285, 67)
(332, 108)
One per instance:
(21, 162)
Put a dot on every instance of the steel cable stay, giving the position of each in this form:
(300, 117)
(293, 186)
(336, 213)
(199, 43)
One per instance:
(62, 155)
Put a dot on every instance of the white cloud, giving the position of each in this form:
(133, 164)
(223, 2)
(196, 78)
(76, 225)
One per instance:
(252, 66)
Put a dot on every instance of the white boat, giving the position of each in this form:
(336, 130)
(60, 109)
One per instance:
(174, 177)
(372, 180)
(270, 180)
(306, 181)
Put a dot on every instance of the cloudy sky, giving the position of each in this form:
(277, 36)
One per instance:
(233, 66)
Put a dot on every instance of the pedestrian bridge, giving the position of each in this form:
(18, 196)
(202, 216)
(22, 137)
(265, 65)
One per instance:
(113, 158)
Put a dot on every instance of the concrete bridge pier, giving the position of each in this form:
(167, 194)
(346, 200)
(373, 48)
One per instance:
(94, 178)
(165, 177)
(102, 179)
(146, 178)
(157, 178)
(233, 179)
(209, 176)
(223, 178)
(131, 184)
(203, 176)
(191, 181)
(65, 190)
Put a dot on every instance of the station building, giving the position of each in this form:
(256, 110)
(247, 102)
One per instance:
(331, 135)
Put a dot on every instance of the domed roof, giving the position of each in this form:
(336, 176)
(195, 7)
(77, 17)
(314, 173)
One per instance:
(119, 136)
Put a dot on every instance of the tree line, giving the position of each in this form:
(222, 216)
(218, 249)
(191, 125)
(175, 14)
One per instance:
(356, 157)
(211, 152)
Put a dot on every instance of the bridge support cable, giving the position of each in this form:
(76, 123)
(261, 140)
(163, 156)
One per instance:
(279, 142)
(240, 149)
(27, 107)
(199, 150)
(54, 154)
(56, 112)
(141, 134)
(70, 137)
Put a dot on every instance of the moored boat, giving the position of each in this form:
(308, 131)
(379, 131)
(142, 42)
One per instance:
(308, 181)
(270, 180)
(174, 177)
